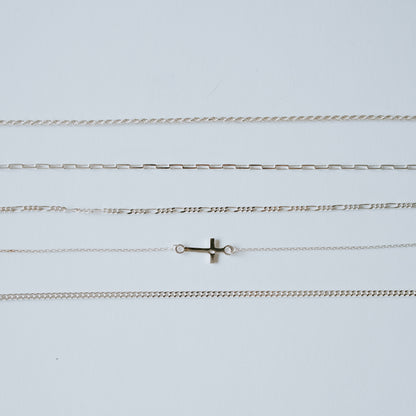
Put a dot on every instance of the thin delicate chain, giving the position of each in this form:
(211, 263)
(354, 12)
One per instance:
(197, 210)
(206, 166)
(189, 120)
(324, 248)
(86, 250)
(212, 294)
(232, 249)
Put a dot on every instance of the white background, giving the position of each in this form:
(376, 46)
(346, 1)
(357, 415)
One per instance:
(102, 59)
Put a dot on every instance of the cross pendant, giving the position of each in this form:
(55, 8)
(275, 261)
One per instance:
(212, 250)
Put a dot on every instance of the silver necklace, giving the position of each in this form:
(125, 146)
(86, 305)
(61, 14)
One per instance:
(222, 119)
(213, 250)
(212, 209)
(230, 294)
(206, 166)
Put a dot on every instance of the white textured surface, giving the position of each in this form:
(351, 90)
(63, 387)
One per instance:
(95, 59)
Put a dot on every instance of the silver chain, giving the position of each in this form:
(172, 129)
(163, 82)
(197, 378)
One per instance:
(86, 250)
(324, 248)
(220, 209)
(233, 249)
(189, 120)
(207, 166)
(207, 294)
(211, 294)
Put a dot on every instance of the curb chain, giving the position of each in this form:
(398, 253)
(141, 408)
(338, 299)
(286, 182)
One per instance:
(210, 294)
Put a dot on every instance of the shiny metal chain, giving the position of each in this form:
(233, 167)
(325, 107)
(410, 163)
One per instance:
(190, 120)
(206, 166)
(232, 250)
(198, 210)
(212, 294)
(324, 248)
(85, 250)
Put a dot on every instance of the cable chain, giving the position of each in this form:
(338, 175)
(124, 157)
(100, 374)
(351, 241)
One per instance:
(210, 294)
(323, 248)
(233, 249)
(86, 250)
(189, 120)
(198, 210)
(205, 166)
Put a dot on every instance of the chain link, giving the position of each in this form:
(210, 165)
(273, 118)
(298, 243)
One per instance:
(233, 249)
(86, 250)
(324, 248)
(210, 294)
(198, 210)
(206, 166)
(190, 120)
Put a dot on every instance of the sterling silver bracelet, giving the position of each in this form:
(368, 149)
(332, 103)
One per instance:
(212, 250)
(212, 119)
(213, 209)
(205, 166)
(208, 294)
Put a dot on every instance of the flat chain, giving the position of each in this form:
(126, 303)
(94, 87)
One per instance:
(232, 249)
(198, 210)
(211, 294)
(189, 120)
(206, 166)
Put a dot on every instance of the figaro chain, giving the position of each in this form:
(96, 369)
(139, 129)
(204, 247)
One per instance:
(206, 166)
(360, 293)
(220, 209)
(190, 120)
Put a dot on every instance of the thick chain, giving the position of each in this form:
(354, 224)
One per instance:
(206, 166)
(189, 120)
(198, 210)
(233, 249)
(211, 294)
